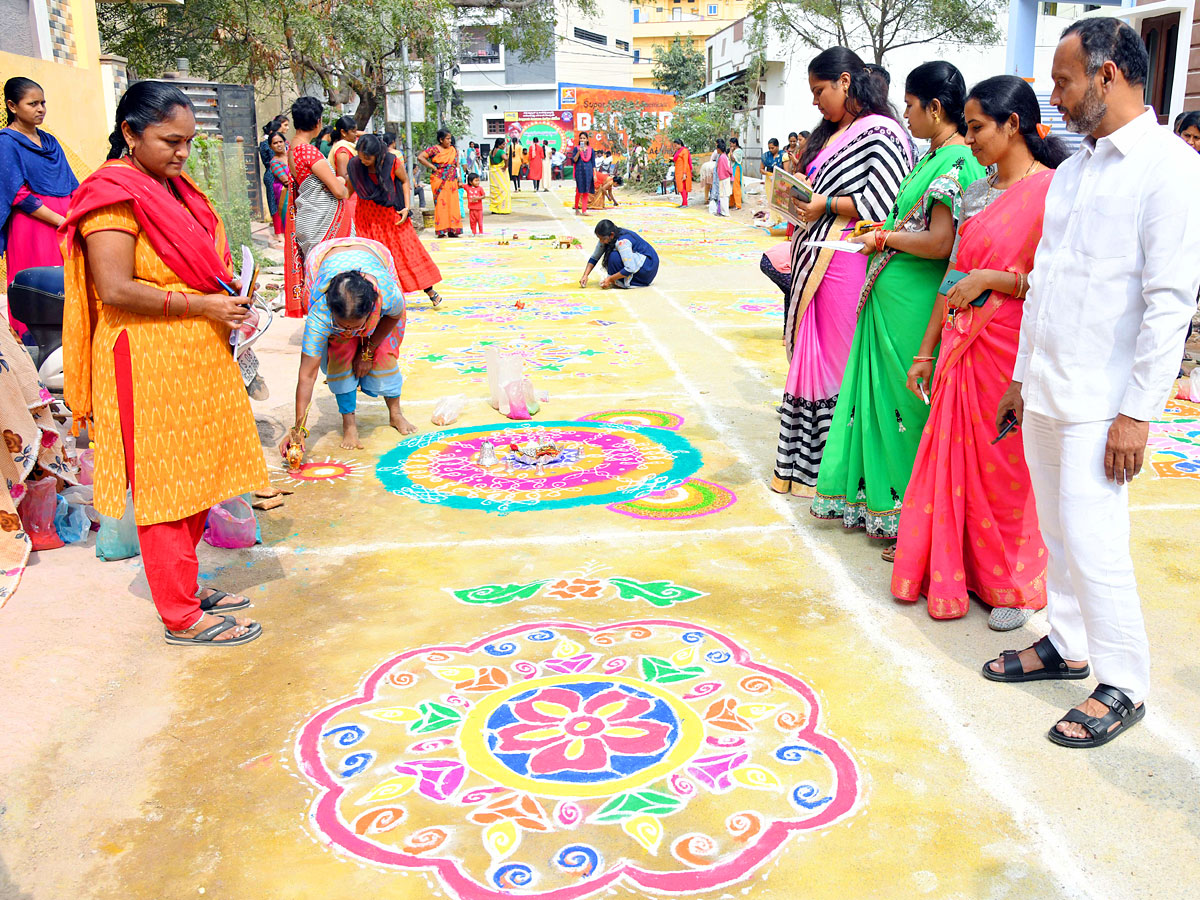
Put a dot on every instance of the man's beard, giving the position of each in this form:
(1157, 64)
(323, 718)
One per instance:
(1086, 117)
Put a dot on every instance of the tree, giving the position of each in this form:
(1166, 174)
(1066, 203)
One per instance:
(350, 49)
(699, 124)
(630, 127)
(873, 27)
(679, 68)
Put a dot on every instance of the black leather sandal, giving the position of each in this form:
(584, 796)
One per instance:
(1054, 667)
(1121, 712)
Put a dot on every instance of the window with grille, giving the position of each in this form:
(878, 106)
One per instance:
(622, 45)
(591, 37)
(495, 127)
(476, 47)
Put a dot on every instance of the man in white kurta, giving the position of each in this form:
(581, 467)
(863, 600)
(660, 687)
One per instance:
(1112, 292)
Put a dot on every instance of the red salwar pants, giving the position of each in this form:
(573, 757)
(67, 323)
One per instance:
(168, 548)
(476, 216)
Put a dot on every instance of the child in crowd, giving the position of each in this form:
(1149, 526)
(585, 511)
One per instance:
(475, 203)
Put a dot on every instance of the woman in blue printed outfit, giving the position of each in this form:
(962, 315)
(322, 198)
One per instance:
(353, 332)
(628, 257)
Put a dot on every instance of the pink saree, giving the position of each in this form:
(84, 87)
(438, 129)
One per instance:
(968, 523)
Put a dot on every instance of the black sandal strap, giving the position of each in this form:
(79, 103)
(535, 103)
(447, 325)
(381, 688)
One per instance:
(226, 623)
(210, 602)
(1012, 663)
(1052, 660)
(1094, 726)
(1115, 699)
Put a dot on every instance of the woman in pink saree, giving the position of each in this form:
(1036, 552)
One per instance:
(855, 161)
(968, 523)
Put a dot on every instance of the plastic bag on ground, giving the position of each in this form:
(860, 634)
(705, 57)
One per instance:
(447, 410)
(517, 408)
(87, 464)
(118, 538)
(231, 525)
(70, 521)
(249, 498)
(502, 368)
(1188, 387)
(37, 510)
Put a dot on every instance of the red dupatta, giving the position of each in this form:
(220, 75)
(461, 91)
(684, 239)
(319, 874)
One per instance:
(180, 224)
(1003, 237)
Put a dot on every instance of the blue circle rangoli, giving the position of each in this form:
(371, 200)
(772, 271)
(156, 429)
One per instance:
(578, 464)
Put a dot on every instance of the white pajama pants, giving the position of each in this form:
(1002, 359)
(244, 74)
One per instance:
(1093, 606)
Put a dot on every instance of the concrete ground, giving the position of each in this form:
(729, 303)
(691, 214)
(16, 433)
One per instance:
(722, 698)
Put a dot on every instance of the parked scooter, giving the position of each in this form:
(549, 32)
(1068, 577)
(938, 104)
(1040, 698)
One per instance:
(36, 298)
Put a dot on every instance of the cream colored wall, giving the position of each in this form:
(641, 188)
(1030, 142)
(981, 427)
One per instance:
(643, 72)
(726, 9)
(76, 112)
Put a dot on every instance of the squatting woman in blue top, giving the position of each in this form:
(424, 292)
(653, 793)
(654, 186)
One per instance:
(628, 257)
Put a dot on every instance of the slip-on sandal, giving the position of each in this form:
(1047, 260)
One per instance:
(1121, 712)
(209, 604)
(1054, 667)
(205, 638)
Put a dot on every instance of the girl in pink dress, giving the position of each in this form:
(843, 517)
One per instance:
(36, 183)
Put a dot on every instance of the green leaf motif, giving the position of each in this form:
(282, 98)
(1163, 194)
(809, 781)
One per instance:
(496, 594)
(636, 803)
(434, 717)
(658, 593)
(655, 668)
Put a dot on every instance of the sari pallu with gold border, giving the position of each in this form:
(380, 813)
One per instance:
(968, 523)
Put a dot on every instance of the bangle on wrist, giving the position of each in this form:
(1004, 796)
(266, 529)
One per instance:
(829, 205)
(922, 359)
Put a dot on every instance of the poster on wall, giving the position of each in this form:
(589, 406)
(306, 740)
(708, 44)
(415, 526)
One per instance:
(585, 100)
(554, 127)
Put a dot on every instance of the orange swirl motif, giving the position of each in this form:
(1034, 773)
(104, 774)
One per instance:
(377, 821)
(424, 840)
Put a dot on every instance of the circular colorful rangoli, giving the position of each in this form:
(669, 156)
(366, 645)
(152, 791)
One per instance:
(554, 760)
(602, 463)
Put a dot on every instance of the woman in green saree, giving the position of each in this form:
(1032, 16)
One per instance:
(877, 426)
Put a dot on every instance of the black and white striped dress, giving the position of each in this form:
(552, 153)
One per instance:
(868, 164)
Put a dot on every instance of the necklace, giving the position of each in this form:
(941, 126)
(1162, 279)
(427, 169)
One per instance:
(944, 142)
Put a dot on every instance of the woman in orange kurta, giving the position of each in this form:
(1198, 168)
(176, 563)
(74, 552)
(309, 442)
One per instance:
(146, 355)
(683, 171)
(442, 162)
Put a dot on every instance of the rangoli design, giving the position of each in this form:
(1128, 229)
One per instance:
(654, 418)
(598, 463)
(541, 355)
(1174, 444)
(690, 500)
(556, 760)
(584, 589)
(325, 471)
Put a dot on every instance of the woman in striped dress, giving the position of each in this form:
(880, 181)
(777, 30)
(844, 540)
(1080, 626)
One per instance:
(382, 214)
(855, 160)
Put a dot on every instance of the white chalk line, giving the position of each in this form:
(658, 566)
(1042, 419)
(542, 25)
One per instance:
(986, 768)
(631, 534)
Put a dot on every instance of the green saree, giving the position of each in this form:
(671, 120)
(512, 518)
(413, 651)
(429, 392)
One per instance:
(877, 426)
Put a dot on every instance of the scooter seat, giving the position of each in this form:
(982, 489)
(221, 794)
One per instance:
(36, 296)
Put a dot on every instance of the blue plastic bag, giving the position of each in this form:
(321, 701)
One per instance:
(118, 538)
(71, 522)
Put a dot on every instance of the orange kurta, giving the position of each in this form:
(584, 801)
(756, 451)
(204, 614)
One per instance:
(195, 441)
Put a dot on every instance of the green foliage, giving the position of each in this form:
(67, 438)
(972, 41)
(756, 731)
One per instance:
(679, 68)
(349, 49)
(629, 126)
(873, 27)
(699, 124)
(220, 172)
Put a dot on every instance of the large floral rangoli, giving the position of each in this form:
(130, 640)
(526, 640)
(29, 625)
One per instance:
(1173, 449)
(554, 760)
(602, 463)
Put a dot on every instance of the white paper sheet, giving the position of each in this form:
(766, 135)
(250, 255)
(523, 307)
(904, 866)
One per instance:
(843, 246)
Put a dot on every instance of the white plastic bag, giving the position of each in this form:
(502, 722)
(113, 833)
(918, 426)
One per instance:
(1188, 387)
(712, 207)
(502, 367)
(447, 410)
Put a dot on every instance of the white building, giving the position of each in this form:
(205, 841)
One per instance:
(593, 50)
(781, 102)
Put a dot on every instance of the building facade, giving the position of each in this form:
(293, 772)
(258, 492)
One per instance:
(589, 49)
(57, 44)
(656, 23)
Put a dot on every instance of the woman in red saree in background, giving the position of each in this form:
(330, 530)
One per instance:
(442, 162)
(281, 179)
(968, 523)
(318, 209)
(683, 171)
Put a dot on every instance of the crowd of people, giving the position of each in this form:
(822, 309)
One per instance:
(977, 335)
(974, 385)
